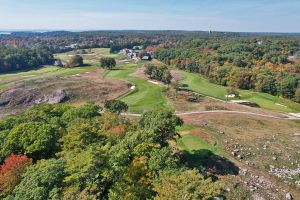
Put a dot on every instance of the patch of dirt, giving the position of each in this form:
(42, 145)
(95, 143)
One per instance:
(78, 89)
(139, 73)
(176, 75)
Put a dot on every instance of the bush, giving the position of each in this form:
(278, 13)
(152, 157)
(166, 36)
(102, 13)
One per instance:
(108, 63)
(75, 61)
(115, 106)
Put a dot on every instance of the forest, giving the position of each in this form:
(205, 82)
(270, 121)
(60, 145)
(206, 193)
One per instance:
(77, 153)
(266, 64)
(260, 62)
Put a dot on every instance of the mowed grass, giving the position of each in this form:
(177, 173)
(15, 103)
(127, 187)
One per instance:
(201, 85)
(146, 96)
(193, 143)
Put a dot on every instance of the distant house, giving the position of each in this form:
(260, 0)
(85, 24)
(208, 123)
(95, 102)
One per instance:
(148, 58)
(58, 62)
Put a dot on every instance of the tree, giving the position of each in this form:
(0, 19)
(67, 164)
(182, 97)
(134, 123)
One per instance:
(297, 94)
(266, 83)
(160, 73)
(11, 171)
(41, 181)
(108, 63)
(288, 86)
(115, 106)
(87, 169)
(85, 111)
(80, 134)
(136, 183)
(161, 122)
(185, 184)
(36, 139)
(75, 61)
(167, 77)
(232, 91)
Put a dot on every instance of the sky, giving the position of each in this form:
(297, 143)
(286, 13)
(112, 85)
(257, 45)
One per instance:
(215, 15)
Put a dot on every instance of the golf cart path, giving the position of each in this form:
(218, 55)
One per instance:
(284, 115)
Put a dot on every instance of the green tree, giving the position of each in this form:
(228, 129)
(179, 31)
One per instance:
(136, 183)
(115, 106)
(297, 94)
(162, 123)
(288, 86)
(41, 181)
(85, 111)
(108, 63)
(75, 61)
(185, 184)
(36, 139)
(80, 134)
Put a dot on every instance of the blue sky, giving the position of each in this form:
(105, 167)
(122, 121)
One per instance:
(221, 15)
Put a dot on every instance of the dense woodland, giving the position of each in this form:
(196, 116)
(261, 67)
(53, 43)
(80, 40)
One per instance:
(62, 152)
(22, 58)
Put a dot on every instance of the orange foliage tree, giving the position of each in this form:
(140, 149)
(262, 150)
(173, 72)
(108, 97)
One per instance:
(11, 171)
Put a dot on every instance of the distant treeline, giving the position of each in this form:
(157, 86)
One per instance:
(21, 58)
(266, 64)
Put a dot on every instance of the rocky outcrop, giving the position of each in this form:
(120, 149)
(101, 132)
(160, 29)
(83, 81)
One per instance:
(29, 96)
(57, 96)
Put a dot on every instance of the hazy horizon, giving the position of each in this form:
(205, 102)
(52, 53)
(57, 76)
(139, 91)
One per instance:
(266, 16)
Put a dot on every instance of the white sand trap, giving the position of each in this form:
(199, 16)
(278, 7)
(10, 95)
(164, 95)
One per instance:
(295, 114)
(132, 87)
(278, 104)
(28, 76)
(154, 82)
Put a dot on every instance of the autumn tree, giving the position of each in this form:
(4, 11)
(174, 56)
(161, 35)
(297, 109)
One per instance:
(11, 171)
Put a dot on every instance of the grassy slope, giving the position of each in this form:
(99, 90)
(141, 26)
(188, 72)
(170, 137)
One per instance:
(201, 85)
(146, 96)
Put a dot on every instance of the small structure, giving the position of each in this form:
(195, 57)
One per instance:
(148, 58)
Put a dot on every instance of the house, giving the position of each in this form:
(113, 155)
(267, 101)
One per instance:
(58, 62)
(147, 57)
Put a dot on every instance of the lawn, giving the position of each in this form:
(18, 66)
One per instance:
(146, 96)
(201, 85)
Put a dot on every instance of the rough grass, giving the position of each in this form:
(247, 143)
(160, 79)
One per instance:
(201, 85)
(49, 71)
(146, 96)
